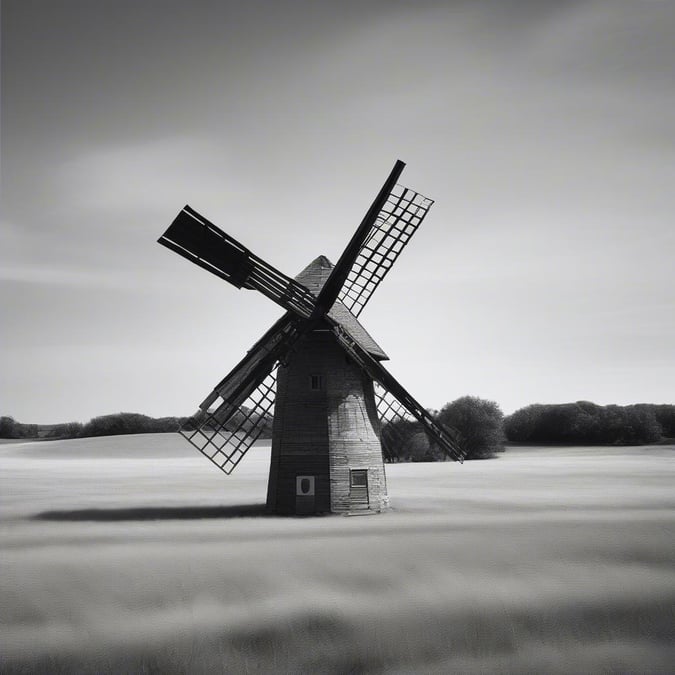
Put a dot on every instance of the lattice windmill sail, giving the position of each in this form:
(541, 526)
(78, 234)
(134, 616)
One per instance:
(317, 368)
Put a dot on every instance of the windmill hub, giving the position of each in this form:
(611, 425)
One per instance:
(337, 410)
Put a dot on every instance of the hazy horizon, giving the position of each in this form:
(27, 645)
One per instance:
(544, 131)
(262, 438)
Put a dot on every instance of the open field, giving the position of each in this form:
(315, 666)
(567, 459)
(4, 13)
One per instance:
(133, 554)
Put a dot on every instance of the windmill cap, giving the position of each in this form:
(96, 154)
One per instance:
(313, 277)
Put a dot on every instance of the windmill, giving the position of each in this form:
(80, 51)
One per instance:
(336, 408)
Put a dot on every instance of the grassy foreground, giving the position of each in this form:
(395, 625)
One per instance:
(132, 554)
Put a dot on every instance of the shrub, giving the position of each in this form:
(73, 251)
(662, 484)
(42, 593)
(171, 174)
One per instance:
(10, 428)
(162, 425)
(129, 423)
(406, 441)
(479, 421)
(67, 430)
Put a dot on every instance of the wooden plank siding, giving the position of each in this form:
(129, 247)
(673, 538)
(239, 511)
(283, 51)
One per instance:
(325, 432)
(299, 433)
(354, 441)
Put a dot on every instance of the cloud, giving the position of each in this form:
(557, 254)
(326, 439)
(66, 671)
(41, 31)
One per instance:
(32, 256)
(39, 274)
(136, 178)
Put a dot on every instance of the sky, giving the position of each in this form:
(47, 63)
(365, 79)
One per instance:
(544, 131)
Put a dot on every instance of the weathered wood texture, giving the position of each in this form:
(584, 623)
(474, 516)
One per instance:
(325, 432)
(354, 440)
(300, 432)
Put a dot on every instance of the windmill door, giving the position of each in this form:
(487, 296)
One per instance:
(305, 503)
(358, 487)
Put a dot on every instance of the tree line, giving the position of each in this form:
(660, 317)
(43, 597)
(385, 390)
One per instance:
(104, 425)
(118, 424)
(482, 427)
(586, 423)
(479, 423)
(485, 430)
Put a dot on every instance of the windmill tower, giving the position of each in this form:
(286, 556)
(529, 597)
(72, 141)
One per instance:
(336, 408)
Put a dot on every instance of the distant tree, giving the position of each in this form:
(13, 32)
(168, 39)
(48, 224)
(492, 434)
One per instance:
(161, 425)
(118, 424)
(247, 420)
(639, 425)
(520, 426)
(405, 441)
(555, 421)
(10, 428)
(29, 431)
(67, 430)
(130, 423)
(585, 422)
(664, 415)
(479, 421)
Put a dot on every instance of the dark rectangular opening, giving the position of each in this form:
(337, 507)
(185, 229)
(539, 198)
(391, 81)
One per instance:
(359, 478)
(315, 382)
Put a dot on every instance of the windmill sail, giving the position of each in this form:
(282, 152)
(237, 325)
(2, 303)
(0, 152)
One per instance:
(234, 414)
(399, 218)
(397, 425)
(225, 435)
(335, 282)
(447, 439)
(200, 241)
(259, 361)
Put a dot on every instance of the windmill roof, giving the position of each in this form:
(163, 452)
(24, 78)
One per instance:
(313, 277)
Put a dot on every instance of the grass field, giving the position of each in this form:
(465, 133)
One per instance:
(133, 554)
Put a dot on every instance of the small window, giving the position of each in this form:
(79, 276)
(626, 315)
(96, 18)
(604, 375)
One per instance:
(315, 382)
(359, 478)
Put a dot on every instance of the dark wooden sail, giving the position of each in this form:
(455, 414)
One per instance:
(200, 241)
(336, 280)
